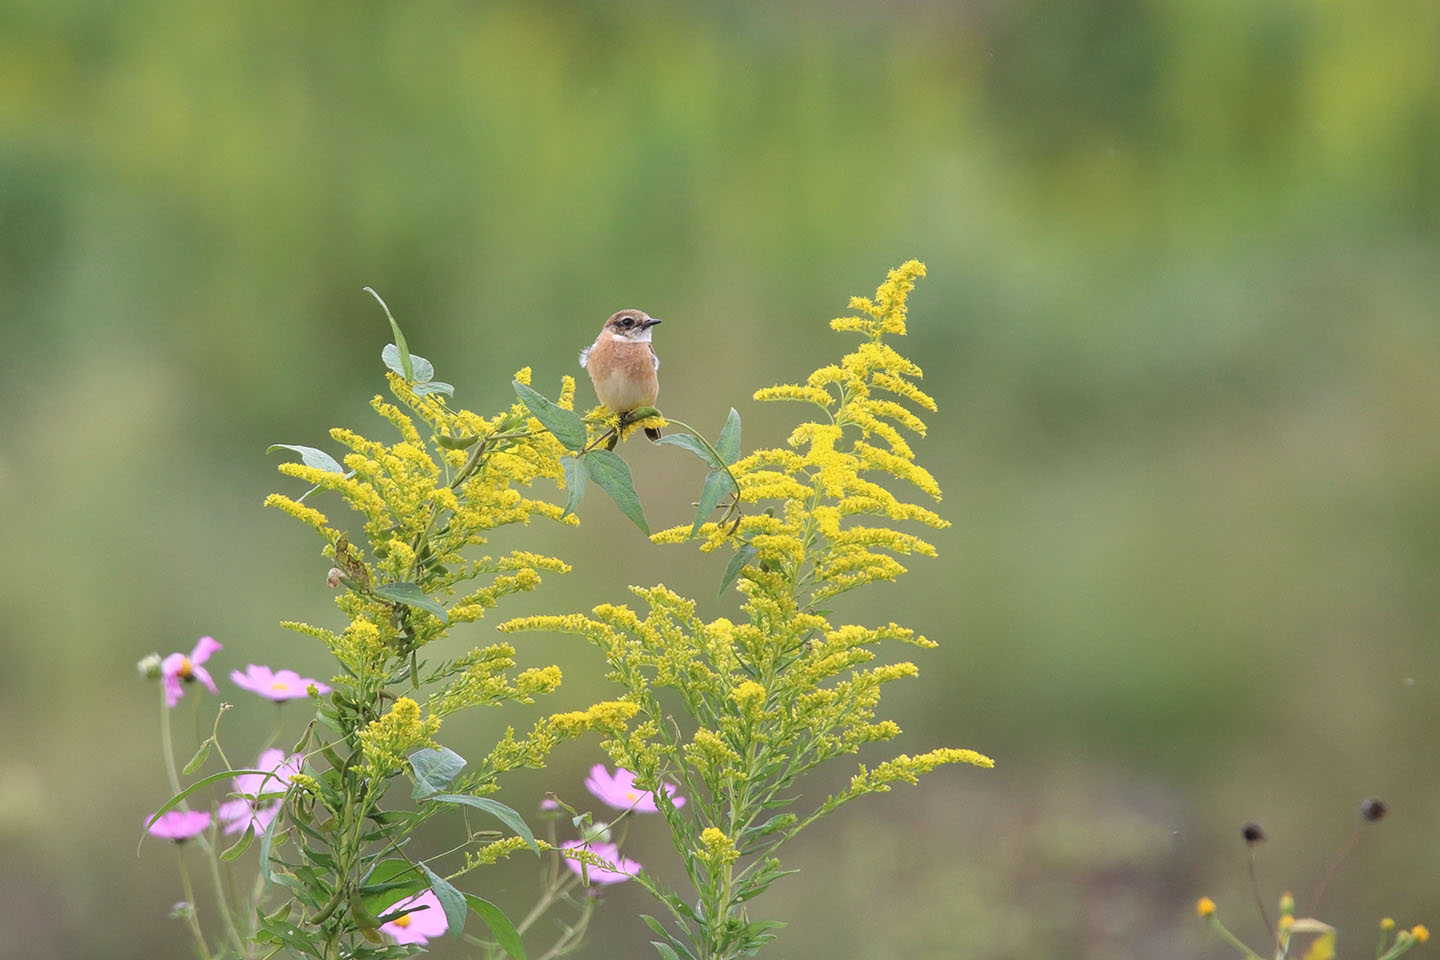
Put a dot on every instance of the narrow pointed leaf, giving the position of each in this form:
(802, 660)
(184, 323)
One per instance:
(666, 951)
(201, 755)
(402, 349)
(497, 810)
(239, 846)
(500, 926)
(612, 474)
(567, 426)
(411, 596)
(203, 782)
(310, 456)
(687, 442)
(576, 475)
(742, 557)
(717, 484)
(266, 839)
(434, 769)
(728, 446)
(452, 901)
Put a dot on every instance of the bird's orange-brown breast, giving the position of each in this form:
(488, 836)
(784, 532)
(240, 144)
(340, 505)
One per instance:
(623, 374)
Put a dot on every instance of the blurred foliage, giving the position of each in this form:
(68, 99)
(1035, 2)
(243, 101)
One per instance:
(1184, 256)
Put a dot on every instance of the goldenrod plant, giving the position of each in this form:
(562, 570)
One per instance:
(735, 713)
(337, 876)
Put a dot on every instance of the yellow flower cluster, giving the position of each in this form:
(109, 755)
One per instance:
(716, 848)
(830, 471)
(784, 690)
(385, 743)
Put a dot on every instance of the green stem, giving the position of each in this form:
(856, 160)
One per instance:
(1231, 939)
(191, 909)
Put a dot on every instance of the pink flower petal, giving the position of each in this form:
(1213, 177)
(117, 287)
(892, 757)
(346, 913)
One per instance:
(419, 926)
(179, 824)
(203, 648)
(619, 790)
(204, 677)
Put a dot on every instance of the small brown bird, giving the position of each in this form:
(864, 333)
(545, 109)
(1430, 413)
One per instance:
(622, 364)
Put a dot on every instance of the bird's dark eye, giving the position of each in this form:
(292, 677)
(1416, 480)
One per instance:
(627, 322)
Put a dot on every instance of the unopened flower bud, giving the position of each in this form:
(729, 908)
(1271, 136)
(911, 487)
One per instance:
(332, 579)
(1287, 902)
(149, 666)
(1372, 809)
(1252, 833)
(1205, 907)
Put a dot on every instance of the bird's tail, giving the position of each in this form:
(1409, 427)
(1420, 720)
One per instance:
(653, 433)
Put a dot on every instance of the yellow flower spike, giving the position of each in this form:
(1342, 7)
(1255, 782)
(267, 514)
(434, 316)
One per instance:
(1205, 907)
(716, 847)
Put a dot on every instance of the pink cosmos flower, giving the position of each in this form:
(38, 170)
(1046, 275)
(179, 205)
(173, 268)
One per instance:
(625, 868)
(179, 825)
(619, 790)
(276, 685)
(239, 812)
(178, 667)
(420, 926)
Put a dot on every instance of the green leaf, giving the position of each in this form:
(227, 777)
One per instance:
(717, 484)
(266, 839)
(686, 441)
(576, 473)
(452, 901)
(665, 950)
(433, 386)
(180, 797)
(567, 426)
(434, 769)
(406, 369)
(497, 810)
(742, 557)
(310, 456)
(458, 443)
(728, 446)
(421, 370)
(411, 596)
(197, 761)
(505, 933)
(389, 882)
(613, 475)
(239, 846)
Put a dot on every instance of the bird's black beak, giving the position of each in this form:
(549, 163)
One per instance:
(649, 322)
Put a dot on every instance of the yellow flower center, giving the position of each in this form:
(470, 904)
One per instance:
(632, 796)
(187, 669)
(403, 921)
(279, 686)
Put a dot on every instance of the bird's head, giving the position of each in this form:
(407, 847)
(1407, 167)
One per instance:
(631, 325)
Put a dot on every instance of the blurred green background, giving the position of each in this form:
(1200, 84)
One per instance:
(1181, 320)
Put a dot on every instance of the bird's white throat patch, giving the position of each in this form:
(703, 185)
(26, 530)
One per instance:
(642, 336)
